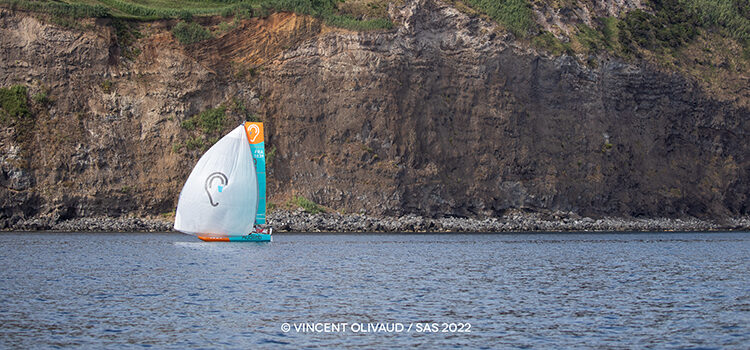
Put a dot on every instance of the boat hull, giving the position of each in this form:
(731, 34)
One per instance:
(253, 237)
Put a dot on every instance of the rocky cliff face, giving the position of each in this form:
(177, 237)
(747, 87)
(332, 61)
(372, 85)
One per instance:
(442, 116)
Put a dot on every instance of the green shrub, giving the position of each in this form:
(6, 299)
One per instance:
(515, 15)
(188, 124)
(196, 142)
(610, 30)
(225, 27)
(13, 104)
(190, 33)
(212, 120)
(547, 41)
(672, 25)
(308, 205)
(593, 40)
(209, 121)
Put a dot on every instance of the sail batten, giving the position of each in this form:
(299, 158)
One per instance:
(220, 196)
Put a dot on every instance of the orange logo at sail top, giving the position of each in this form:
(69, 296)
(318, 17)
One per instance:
(254, 132)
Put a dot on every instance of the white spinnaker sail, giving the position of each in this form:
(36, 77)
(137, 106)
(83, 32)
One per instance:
(220, 195)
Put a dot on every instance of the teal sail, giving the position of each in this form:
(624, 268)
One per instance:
(258, 150)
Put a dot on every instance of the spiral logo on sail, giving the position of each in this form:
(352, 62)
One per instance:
(210, 180)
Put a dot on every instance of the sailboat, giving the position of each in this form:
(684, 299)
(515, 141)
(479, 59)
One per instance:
(224, 198)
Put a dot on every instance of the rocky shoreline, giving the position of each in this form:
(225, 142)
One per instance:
(300, 221)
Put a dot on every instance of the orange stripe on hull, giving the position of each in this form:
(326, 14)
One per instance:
(214, 239)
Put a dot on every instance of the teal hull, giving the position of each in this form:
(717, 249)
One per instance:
(253, 237)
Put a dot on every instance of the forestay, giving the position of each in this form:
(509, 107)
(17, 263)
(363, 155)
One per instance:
(220, 196)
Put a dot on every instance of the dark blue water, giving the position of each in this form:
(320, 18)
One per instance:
(514, 290)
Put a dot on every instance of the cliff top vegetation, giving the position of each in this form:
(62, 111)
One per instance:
(357, 15)
(656, 25)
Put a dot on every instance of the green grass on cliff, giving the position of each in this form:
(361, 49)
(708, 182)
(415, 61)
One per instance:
(306, 204)
(189, 33)
(209, 121)
(13, 105)
(15, 112)
(74, 10)
(204, 129)
(732, 16)
(146, 10)
(515, 15)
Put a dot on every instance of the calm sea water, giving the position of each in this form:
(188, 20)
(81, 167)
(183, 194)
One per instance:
(682, 290)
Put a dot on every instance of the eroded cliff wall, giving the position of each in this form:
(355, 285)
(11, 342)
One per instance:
(441, 116)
